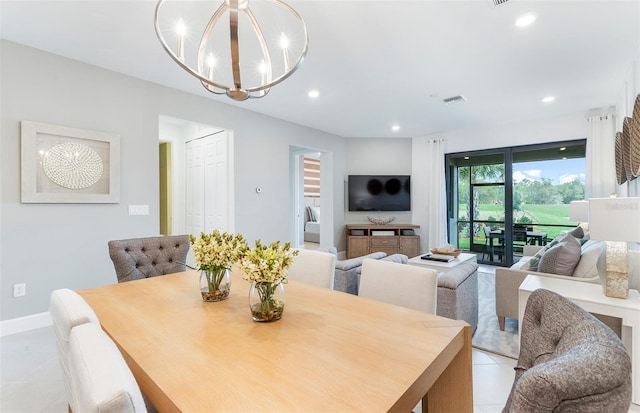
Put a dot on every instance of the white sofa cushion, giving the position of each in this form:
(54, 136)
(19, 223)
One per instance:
(591, 251)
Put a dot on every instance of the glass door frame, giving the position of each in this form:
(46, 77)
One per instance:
(451, 174)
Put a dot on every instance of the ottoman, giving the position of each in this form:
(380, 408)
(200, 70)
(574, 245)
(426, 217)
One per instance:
(458, 294)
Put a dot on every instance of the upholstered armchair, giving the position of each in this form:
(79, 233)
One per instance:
(140, 258)
(569, 361)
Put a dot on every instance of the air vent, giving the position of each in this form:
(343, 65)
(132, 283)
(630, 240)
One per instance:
(497, 3)
(454, 99)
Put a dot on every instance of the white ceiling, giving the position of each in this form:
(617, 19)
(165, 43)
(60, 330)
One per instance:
(379, 63)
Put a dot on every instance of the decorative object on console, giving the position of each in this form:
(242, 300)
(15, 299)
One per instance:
(616, 221)
(215, 253)
(382, 220)
(206, 64)
(446, 249)
(266, 268)
(68, 165)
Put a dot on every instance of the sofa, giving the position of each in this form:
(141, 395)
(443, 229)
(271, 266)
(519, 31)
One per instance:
(590, 267)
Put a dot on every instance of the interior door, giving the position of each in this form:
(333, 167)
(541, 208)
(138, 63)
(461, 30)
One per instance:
(207, 184)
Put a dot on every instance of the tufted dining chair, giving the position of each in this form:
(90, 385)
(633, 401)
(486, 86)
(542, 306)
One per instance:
(400, 284)
(139, 258)
(569, 361)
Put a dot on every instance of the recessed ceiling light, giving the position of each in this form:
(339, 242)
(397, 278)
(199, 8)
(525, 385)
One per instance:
(525, 20)
(466, 157)
(395, 128)
(313, 94)
(563, 148)
(548, 99)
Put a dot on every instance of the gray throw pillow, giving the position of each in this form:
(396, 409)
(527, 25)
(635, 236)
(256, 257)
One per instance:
(577, 232)
(562, 258)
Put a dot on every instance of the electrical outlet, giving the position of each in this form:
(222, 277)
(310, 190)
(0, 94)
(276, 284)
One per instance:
(19, 290)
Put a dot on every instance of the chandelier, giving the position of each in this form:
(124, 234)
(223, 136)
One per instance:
(216, 59)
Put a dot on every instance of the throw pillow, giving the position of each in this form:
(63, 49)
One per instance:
(312, 218)
(589, 255)
(562, 258)
(316, 213)
(577, 232)
(532, 264)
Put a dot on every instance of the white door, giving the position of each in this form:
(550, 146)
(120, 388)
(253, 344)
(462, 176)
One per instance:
(207, 192)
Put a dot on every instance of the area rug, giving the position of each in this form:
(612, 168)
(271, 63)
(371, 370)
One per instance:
(488, 336)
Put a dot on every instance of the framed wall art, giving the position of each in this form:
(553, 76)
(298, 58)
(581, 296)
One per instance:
(69, 165)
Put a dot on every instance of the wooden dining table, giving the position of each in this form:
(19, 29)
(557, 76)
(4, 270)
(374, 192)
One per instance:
(330, 352)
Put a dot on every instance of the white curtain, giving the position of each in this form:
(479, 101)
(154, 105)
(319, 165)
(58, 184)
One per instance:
(601, 170)
(429, 209)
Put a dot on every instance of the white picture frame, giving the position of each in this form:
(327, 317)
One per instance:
(60, 164)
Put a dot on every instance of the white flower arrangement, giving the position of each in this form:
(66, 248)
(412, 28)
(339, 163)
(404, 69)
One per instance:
(267, 264)
(217, 251)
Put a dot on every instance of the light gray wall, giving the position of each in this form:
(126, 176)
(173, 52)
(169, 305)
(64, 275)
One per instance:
(376, 157)
(50, 246)
(554, 129)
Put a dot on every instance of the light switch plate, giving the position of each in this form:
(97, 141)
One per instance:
(138, 209)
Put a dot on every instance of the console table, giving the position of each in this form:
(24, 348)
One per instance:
(363, 239)
(590, 297)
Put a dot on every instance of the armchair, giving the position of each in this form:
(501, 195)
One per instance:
(569, 361)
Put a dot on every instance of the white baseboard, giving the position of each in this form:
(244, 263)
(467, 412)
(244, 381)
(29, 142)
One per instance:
(26, 323)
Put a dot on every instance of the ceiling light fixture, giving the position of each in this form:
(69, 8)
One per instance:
(313, 94)
(395, 128)
(204, 61)
(548, 99)
(525, 20)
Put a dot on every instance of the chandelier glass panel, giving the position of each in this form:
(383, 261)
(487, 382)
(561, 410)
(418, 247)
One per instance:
(240, 48)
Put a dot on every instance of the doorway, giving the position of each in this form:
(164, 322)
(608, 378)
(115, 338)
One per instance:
(200, 177)
(311, 198)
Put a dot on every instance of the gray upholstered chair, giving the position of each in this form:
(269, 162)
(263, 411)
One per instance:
(569, 361)
(139, 258)
(101, 381)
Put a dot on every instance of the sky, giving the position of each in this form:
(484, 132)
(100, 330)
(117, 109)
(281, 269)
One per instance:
(559, 171)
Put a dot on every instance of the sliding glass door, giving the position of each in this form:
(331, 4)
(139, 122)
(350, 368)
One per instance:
(503, 199)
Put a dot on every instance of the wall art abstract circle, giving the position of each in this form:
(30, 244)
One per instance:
(72, 165)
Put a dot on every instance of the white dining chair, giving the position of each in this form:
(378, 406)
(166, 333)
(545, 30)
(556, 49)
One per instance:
(68, 310)
(400, 284)
(313, 267)
(101, 381)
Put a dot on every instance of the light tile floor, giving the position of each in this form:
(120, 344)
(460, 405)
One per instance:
(31, 380)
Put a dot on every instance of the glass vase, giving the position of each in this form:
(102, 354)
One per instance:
(266, 301)
(215, 284)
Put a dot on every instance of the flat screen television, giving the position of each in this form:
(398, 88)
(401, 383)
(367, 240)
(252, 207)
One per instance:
(379, 192)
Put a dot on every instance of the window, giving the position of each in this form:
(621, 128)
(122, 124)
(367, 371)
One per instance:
(495, 216)
(311, 177)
